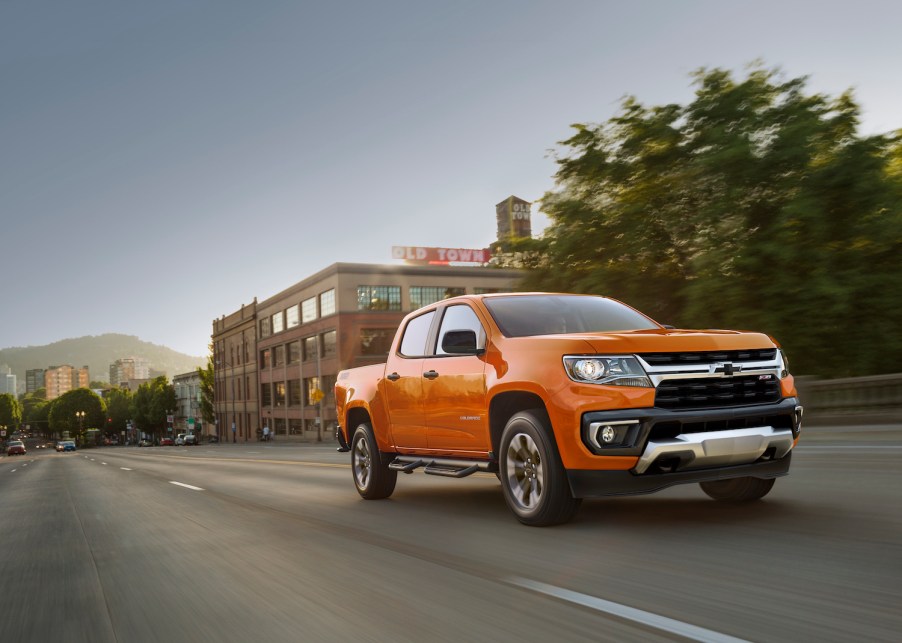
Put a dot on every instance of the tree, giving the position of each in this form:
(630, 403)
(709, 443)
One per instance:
(207, 390)
(754, 206)
(35, 410)
(81, 400)
(118, 409)
(152, 402)
(10, 411)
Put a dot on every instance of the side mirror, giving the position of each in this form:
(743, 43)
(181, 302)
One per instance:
(461, 342)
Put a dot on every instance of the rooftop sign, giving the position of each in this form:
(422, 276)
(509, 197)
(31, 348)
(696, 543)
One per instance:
(440, 256)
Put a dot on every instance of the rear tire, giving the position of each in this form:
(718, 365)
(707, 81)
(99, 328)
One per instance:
(532, 476)
(372, 477)
(738, 489)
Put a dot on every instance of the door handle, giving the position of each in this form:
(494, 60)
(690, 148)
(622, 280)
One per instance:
(430, 375)
(393, 377)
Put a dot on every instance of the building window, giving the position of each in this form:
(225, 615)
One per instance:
(266, 327)
(329, 390)
(327, 303)
(486, 291)
(278, 390)
(328, 344)
(309, 348)
(291, 317)
(376, 341)
(294, 393)
(278, 322)
(294, 352)
(295, 427)
(264, 358)
(311, 384)
(279, 426)
(378, 297)
(265, 394)
(308, 310)
(424, 295)
(278, 355)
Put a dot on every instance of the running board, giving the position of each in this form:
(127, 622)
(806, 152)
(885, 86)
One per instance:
(440, 466)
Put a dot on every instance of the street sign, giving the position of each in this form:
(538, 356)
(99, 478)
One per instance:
(316, 396)
(191, 421)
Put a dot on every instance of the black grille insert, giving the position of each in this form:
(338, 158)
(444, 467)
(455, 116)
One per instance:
(709, 357)
(713, 392)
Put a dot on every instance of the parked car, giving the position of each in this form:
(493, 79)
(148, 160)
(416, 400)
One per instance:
(145, 443)
(167, 442)
(190, 438)
(180, 439)
(15, 447)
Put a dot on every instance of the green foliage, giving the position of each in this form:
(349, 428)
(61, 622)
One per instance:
(10, 411)
(207, 390)
(150, 404)
(35, 409)
(118, 409)
(64, 408)
(754, 206)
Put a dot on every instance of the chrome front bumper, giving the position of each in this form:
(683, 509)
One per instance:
(689, 451)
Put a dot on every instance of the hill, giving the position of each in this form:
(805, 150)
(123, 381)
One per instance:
(97, 353)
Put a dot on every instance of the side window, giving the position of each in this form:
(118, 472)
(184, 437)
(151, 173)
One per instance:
(460, 318)
(413, 344)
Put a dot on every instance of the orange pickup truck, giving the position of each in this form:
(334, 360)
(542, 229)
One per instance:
(566, 397)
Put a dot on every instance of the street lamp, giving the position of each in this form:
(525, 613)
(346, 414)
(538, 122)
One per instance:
(81, 423)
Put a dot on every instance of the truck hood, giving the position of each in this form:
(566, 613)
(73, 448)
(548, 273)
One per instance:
(658, 341)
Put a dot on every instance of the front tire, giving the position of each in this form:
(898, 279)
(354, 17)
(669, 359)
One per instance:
(738, 489)
(532, 476)
(372, 477)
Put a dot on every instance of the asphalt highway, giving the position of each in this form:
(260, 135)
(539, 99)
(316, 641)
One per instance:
(252, 542)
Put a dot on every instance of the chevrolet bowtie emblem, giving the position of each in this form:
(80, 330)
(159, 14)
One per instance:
(729, 369)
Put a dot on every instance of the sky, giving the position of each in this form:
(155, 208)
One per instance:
(162, 163)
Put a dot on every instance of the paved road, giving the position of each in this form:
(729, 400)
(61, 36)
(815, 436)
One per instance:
(273, 544)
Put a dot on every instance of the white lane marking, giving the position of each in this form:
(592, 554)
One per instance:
(187, 486)
(630, 613)
(13, 471)
(103, 463)
(125, 468)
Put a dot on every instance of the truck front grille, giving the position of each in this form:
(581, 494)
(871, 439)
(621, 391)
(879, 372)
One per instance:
(709, 357)
(716, 392)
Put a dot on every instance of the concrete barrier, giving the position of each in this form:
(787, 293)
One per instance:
(871, 399)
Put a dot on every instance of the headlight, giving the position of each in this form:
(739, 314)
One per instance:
(612, 371)
(784, 364)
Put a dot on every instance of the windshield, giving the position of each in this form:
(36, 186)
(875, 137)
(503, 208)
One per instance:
(522, 316)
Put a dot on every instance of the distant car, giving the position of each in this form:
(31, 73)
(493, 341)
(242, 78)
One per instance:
(190, 438)
(167, 442)
(180, 439)
(15, 447)
(65, 445)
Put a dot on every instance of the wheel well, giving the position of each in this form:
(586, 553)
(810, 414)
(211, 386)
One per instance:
(504, 405)
(355, 418)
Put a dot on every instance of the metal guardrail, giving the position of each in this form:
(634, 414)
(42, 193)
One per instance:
(874, 395)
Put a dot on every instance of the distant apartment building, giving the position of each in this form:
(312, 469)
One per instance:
(34, 379)
(62, 379)
(187, 403)
(7, 380)
(129, 368)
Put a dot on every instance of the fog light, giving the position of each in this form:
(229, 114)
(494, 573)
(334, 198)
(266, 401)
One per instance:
(612, 434)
